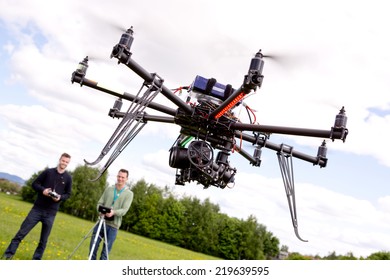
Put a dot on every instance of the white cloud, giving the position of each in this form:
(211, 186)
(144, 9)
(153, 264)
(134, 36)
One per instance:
(384, 204)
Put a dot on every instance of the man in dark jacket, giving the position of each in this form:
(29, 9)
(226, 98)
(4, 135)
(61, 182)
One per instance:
(53, 186)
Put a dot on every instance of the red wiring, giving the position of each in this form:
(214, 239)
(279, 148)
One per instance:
(253, 113)
(181, 88)
(178, 89)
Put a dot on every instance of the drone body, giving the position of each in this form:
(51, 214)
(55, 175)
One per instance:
(209, 128)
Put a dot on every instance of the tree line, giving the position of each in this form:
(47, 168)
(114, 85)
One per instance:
(186, 222)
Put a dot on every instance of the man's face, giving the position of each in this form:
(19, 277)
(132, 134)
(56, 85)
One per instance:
(63, 163)
(121, 178)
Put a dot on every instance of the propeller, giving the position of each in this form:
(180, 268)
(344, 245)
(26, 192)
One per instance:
(227, 49)
(117, 27)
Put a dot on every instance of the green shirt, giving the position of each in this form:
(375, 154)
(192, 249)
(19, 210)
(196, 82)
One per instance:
(121, 204)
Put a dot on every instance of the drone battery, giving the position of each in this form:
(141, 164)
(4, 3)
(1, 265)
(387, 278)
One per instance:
(211, 87)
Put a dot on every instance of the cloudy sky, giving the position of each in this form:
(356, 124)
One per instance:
(330, 54)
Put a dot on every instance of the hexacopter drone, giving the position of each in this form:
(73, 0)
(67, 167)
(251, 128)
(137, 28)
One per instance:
(208, 124)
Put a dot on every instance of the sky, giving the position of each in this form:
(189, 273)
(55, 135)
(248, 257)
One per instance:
(330, 54)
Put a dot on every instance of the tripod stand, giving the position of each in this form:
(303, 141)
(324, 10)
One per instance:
(101, 223)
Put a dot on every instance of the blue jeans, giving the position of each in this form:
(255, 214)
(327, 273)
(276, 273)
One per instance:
(33, 218)
(111, 236)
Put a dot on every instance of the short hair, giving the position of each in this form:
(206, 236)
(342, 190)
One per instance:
(65, 155)
(124, 171)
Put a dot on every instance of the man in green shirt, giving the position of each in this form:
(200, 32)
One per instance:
(118, 198)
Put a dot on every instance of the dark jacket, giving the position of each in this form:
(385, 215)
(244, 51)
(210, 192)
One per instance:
(61, 183)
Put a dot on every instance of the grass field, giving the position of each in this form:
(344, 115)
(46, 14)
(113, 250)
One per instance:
(70, 238)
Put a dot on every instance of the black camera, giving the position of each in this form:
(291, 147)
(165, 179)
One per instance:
(53, 194)
(104, 210)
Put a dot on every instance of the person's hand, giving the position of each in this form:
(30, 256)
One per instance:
(46, 191)
(110, 214)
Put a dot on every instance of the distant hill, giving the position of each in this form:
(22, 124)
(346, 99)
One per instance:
(12, 178)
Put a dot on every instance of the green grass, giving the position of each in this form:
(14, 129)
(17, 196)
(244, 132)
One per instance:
(70, 232)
